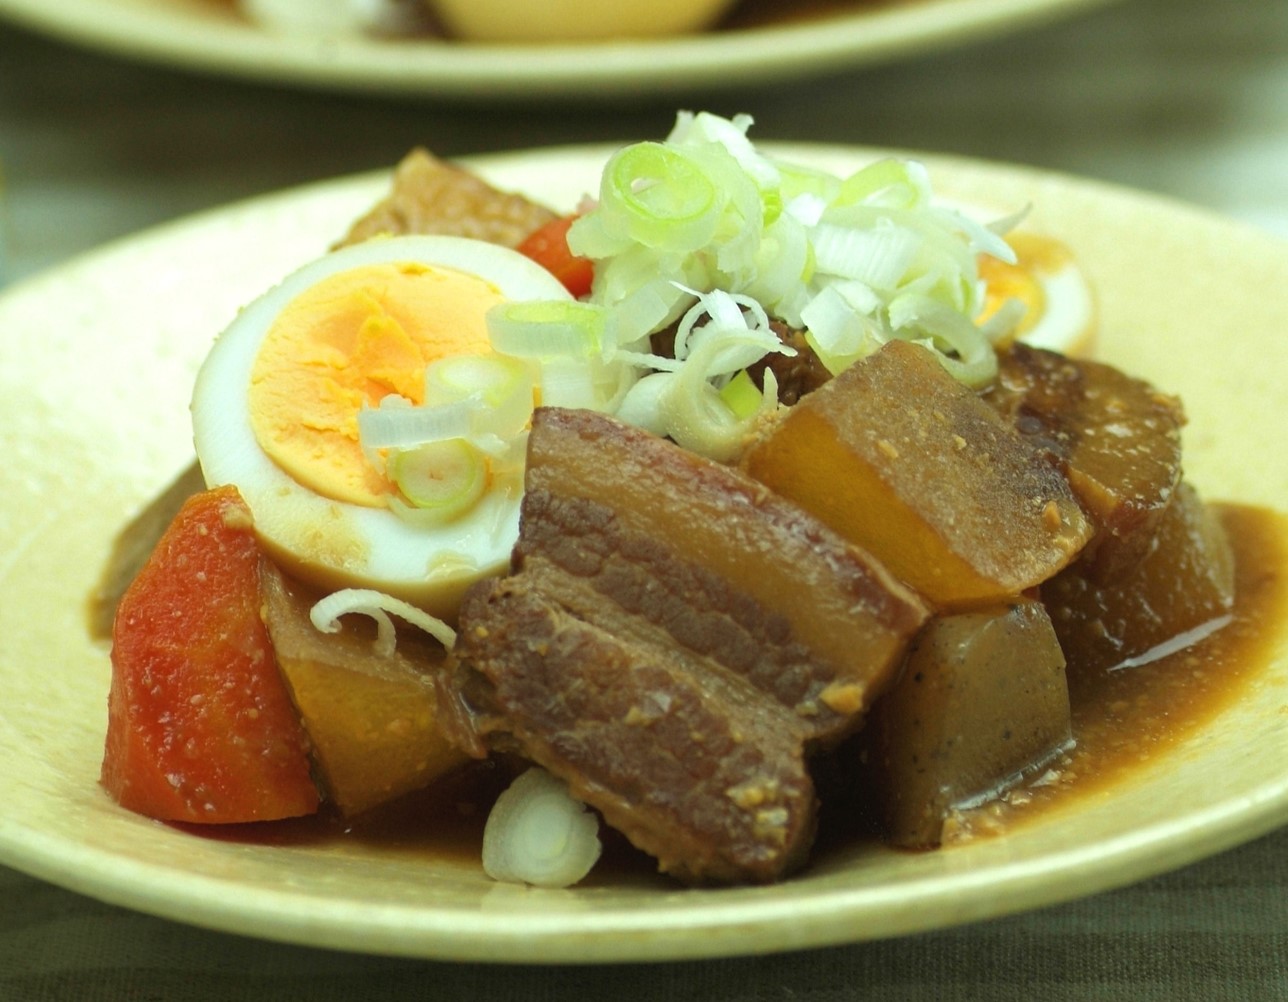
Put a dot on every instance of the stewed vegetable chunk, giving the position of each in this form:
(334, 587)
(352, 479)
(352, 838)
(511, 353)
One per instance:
(904, 461)
(1181, 588)
(372, 718)
(981, 704)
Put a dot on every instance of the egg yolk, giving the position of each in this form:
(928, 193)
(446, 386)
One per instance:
(1035, 256)
(346, 342)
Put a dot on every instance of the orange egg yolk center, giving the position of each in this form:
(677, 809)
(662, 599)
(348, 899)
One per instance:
(345, 343)
(1035, 256)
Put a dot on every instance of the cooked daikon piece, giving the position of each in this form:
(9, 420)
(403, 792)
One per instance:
(901, 459)
(373, 718)
(1180, 590)
(982, 703)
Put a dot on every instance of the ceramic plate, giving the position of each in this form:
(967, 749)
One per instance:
(99, 361)
(761, 46)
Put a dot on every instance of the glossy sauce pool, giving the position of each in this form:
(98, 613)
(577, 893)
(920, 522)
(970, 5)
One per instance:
(1121, 720)
(1125, 718)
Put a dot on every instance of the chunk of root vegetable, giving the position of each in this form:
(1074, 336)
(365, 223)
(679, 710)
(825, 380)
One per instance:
(539, 834)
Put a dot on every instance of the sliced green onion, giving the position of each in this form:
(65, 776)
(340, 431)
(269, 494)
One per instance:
(325, 616)
(706, 211)
(443, 479)
(784, 266)
(889, 182)
(585, 383)
(503, 388)
(657, 196)
(741, 396)
(547, 329)
(962, 347)
(879, 256)
(395, 425)
(539, 834)
(843, 324)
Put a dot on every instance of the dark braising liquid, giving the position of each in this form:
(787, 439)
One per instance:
(1125, 718)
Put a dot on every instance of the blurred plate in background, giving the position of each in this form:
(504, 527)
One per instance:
(764, 42)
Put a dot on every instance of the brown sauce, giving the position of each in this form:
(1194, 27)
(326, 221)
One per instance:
(1121, 719)
(1125, 718)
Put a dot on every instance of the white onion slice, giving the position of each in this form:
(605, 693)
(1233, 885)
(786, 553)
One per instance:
(539, 834)
(325, 616)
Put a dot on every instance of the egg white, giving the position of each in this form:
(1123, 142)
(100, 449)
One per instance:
(334, 544)
(1067, 323)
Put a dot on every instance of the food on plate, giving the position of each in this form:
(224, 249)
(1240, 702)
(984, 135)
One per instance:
(200, 725)
(647, 652)
(488, 20)
(1181, 588)
(333, 366)
(1117, 440)
(736, 477)
(429, 195)
(982, 699)
(372, 716)
(906, 462)
(538, 833)
(308, 18)
(574, 20)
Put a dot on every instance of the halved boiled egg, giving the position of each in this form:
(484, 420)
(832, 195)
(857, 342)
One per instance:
(1059, 308)
(387, 327)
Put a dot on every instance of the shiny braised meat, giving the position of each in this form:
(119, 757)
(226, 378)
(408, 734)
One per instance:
(675, 642)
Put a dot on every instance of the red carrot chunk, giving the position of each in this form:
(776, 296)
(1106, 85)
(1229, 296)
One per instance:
(201, 727)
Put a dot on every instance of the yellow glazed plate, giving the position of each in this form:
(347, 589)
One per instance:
(99, 358)
(207, 36)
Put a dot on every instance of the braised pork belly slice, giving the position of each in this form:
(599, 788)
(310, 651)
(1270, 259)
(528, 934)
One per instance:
(674, 643)
(702, 774)
(1117, 439)
(901, 459)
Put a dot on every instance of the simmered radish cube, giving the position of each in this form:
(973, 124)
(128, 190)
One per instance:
(372, 718)
(982, 703)
(906, 462)
(1183, 587)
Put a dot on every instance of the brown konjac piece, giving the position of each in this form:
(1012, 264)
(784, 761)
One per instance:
(1183, 586)
(373, 719)
(1117, 438)
(900, 458)
(432, 196)
(982, 703)
(675, 642)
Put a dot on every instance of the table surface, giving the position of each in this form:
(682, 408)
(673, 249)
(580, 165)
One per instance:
(1187, 98)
